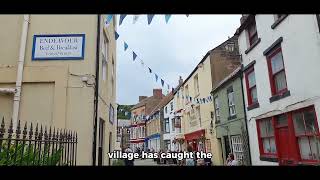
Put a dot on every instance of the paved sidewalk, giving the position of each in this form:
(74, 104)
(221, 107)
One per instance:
(145, 162)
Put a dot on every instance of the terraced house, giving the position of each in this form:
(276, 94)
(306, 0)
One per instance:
(59, 71)
(230, 119)
(139, 113)
(193, 108)
(280, 55)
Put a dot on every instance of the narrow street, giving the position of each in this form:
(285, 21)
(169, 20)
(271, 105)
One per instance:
(149, 162)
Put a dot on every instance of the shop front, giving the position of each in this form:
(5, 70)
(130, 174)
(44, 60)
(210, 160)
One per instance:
(196, 140)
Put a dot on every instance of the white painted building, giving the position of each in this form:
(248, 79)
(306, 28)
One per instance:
(170, 127)
(281, 60)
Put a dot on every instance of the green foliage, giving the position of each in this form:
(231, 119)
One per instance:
(24, 155)
(121, 111)
(118, 162)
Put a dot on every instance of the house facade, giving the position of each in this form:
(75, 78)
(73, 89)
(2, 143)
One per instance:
(171, 127)
(193, 102)
(280, 56)
(230, 123)
(48, 74)
(139, 113)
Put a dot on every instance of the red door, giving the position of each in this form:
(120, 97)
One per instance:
(283, 141)
(283, 150)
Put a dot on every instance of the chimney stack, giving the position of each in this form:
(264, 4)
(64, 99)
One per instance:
(243, 18)
(180, 80)
(157, 93)
(142, 98)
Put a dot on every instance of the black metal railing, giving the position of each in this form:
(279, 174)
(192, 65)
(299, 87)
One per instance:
(37, 147)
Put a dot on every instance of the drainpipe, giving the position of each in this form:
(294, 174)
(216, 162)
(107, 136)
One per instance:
(96, 94)
(17, 94)
(245, 113)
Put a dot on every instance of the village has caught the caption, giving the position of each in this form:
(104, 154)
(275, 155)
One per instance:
(167, 155)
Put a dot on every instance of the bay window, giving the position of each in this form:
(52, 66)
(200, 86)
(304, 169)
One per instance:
(277, 74)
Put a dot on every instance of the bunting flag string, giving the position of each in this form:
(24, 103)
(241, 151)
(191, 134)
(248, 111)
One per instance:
(156, 77)
(167, 17)
(109, 19)
(135, 19)
(134, 55)
(116, 35)
(122, 16)
(125, 46)
(150, 17)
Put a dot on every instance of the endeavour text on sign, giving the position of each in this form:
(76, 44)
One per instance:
(58, 47)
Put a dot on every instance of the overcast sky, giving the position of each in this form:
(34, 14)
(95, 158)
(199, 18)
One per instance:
(170, 50)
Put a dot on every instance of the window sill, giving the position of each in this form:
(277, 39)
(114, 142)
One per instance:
(269, 158)
(252, 46)
(278, 21)
(279, 96)
(253, 106)
(232, 117)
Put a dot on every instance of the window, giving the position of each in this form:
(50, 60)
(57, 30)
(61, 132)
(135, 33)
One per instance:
(166, 125)
(166, 109)
(111, 114)
(266, 137)
(217, 109)
(187, 93)
(112, 69)
(104, 70)
(173, 124)
(167, 144)
(237, 148)
(231, 104)
(171, 106)
(277, 75)
(105, 48)
(251, 86)
(252, 33)
(306, 131)
(112, 87)
(196, 84)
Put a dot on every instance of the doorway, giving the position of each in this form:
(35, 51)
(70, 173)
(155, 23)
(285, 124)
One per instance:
(101, 142)
(227, 146)
(282, 132)
(110, 146)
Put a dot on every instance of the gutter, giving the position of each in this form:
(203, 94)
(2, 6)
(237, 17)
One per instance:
(22, 51)
(96, 94)
(245, 114)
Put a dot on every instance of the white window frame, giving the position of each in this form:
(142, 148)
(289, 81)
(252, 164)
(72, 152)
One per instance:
(237, 147)
(231, 103)
(217, 108)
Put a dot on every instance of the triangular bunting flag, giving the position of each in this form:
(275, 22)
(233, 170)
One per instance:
(150, 17)
(142, 63)
(168, 86)
(122, 16)
(204, 100)
(150, 70)
(162, 82)
(156, 77)
(125, 46)
(108, 19)
(187, 15)
(135, 19)
(134, 55)
(167, 17)
(116, 35)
